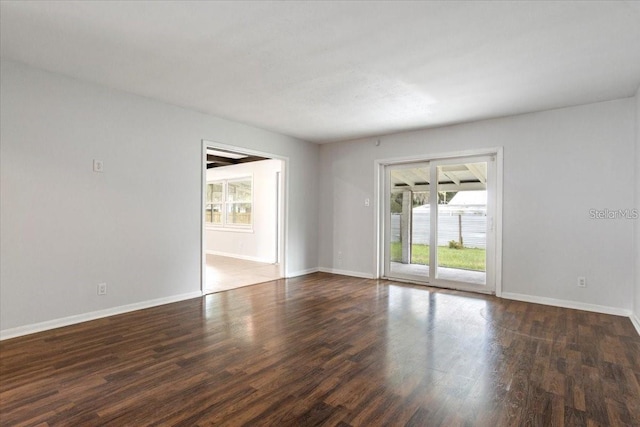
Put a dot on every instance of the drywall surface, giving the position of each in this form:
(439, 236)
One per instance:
(258, 243)
(135, 226)
(637, 221)
(558, 165)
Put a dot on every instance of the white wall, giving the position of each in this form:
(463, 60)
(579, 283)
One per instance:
(637, 222)
(260, 243)
(64, 228)
(557, 165)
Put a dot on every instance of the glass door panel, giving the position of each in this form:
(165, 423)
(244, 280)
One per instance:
(462, 222)
(407, 215)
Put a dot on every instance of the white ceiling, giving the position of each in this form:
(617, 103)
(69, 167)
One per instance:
(326, 71)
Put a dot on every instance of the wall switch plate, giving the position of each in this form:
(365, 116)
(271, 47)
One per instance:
(582, 282)
(102, 289)
(98, 165)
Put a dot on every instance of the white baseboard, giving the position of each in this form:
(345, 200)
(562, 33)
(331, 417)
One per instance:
(85, 317)
(330, 270)
(636, 321)
(301, 272)
(567, 304)
(244, 257)
(347, 273)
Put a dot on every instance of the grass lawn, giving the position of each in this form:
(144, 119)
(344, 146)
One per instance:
(467, 258)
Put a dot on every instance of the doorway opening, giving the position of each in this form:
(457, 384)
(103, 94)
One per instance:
(243, 221)
(440, 222)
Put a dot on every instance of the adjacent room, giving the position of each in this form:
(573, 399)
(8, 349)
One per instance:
(243, 220)
(373, 213)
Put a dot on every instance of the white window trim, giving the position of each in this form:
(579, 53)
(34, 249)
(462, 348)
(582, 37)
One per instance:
(241, 228)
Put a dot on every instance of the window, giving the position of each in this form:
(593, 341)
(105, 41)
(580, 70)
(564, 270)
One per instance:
(229, 203)
(238, 201)
(213, 207)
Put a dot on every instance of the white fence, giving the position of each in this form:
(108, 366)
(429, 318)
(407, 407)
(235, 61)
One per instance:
(474, 228)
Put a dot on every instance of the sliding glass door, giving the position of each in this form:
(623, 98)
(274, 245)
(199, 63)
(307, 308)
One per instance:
(438, 222)
(407, 218)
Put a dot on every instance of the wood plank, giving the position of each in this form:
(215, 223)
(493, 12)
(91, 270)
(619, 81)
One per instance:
(328, 350)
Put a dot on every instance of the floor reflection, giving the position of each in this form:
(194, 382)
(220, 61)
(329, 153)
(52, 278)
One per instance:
(436, 340)
(447, 356)
(331, 350)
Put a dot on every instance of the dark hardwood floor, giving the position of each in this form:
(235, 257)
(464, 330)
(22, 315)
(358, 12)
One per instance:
(328, 350)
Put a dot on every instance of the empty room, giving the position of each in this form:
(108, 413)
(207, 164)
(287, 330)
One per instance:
(300, 213)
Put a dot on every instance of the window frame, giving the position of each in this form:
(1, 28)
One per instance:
(224, 224)
(212, 203)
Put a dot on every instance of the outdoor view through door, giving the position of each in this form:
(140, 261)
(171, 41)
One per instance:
(439, 222)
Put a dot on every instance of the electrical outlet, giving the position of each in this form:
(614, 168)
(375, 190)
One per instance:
(367, 202)
(102, 289)
(582, 282)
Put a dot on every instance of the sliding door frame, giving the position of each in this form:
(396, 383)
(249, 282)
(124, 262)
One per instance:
(382, 228)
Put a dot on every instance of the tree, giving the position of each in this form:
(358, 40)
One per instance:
(419, 198)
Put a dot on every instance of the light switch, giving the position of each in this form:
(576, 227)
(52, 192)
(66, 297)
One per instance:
(98, 165)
